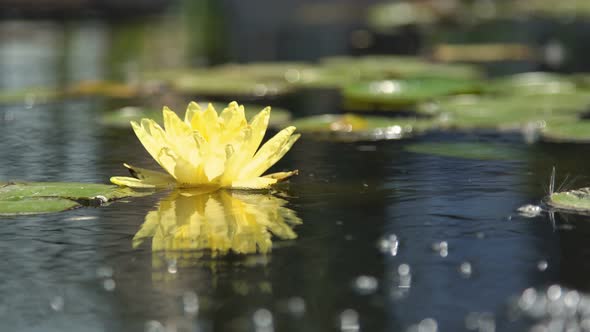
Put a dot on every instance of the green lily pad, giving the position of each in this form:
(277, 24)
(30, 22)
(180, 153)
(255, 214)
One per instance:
(476, 151)
(572, 130)
(45, 197)
(36, 95)
(213, 85)
(404, 93)
(532, 83)
(120, 118)
(377, 67)
(251, 80)
(505, 113)
(573, 200)
(350, 127)
(386, 17)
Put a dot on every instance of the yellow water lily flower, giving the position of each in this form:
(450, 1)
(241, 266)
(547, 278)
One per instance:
(210, 150)
(220, 221)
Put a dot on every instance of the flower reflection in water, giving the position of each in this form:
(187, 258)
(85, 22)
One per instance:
(219, 221)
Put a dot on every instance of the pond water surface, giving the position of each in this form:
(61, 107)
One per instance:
(388, 239)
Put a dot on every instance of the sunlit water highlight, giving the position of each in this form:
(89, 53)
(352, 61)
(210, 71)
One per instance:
(389, 240)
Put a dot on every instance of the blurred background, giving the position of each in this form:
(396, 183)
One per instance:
(74, 72)
(56, 43)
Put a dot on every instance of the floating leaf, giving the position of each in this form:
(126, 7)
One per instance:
(385, 17)
(212, 85)
(477, 151)
(350, 127)
(378, 67)
(573, 200)
(505, 113)
(44, 197)
(404, 93)
(31, 95)
(573, 130)
(102, 88)
(532, 83)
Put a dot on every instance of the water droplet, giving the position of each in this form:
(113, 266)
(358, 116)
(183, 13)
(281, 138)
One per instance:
(57, 303)
(366, 285)
(104, 272)
(403, 269)
(428, 325)
(190, 300)
(571, 299)
(465, 269)
(441, 247)
(480, 321)
(296, 306)
(154, 326)
(172, 267)
(348, 237)
(529, 210)
(480, 235)
(527, 298)
(109, 285)
(554, 292)
(389, 245)
(349, 321)
(263, 320)
(542, 265)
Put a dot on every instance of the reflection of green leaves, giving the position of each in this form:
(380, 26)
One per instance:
(122, 116)
(44, 197)
(350, 127)
(574, 200)
(477, 151)
(402, 93)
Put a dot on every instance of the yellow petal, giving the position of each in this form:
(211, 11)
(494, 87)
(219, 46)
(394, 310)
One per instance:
(282, 176)
(152, 144)
(270, 153)
(131, 182)
(149, 177)
(258, 126)
(192, 109)
(180, 137)
(210, 126)
(232, 122)
(253, 183)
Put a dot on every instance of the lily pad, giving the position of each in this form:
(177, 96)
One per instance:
(121, 117)
(351, 127)
(31, 95)
(573, 200)
(505, 113)
(476, 151)
(386, 17)
(212, 85)
(45, 197)
(532, 83)
(572, 131)
(378, 67)
(404, 93)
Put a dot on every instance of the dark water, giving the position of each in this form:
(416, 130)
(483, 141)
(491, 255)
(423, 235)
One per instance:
(77, 271)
